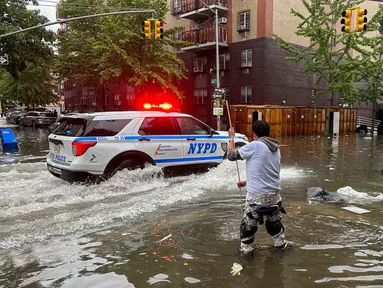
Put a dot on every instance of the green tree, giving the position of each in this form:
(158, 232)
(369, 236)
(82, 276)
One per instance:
(329, 51)
(34, 86)
(23, 48)
(369, 63)
(110, 50)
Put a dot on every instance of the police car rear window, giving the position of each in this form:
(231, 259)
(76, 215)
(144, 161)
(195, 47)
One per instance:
(73, 127)
(76, 127)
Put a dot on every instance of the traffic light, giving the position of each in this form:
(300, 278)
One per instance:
(346, 21)
(159, 30)
(360, 20)
(146, 29)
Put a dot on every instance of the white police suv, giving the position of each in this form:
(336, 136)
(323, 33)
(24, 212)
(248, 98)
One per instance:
(84, 146)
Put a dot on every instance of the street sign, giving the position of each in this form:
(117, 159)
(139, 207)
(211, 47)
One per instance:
(213, 81)
(217, 111)
(219, 90)
(4, 60)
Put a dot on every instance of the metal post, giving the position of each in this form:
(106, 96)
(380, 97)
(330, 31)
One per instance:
(77, 18)
(217, 63)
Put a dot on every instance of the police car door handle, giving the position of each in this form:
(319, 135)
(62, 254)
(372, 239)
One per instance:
(190, 139)
(144, 139)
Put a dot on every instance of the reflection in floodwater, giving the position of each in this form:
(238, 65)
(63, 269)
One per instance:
(55, 234)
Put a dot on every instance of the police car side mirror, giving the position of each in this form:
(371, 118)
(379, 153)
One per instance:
(212, 132)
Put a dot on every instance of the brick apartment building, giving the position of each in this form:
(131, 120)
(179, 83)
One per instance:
(253, 68)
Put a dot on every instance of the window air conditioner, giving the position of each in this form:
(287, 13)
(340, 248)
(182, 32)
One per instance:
(222, 20)
(195, 26)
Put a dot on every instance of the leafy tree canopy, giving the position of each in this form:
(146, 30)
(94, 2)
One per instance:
(330, 50)
(23, 48)
(104, 50)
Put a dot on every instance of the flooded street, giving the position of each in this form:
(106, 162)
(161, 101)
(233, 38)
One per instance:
(54, 234)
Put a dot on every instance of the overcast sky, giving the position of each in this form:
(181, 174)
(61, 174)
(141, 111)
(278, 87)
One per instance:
(48, 9)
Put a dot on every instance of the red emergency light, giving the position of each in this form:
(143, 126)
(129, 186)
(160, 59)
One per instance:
(164, 106)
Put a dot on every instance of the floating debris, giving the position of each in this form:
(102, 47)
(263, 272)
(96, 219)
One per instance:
(167, 237)
(158, 278)
(236, 269)
(300, 270)
(356, 210)
(187, 256)
(167, 258)
(310, 171)
(192, 280)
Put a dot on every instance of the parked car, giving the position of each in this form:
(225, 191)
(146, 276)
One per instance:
(15, 117)
(12, 110)
(36, 118)
(19, 116)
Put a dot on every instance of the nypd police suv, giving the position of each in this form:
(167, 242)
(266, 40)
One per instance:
(84, 146)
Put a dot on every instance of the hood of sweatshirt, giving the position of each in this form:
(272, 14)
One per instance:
(271, 143)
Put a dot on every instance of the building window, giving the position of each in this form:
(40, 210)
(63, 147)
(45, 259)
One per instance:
(224, 61)
(244, 21)
(199, 64)
(177, 35)
(246, 58)
(117, 99)
(130, 97)
(176, 7)
(92, 100)
(200, 95)
(246, 94)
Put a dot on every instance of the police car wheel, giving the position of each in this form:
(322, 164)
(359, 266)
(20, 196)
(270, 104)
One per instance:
(130, 164)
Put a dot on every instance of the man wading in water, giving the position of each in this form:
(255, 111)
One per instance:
(263, 199)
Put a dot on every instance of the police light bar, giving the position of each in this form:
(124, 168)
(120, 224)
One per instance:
(164, 106)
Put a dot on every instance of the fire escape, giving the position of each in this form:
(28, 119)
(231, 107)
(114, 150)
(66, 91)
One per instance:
(202, 32)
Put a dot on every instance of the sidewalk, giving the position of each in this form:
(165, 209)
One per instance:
(3, 123)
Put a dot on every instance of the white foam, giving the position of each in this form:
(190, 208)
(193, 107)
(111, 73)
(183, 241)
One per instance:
(35, 205)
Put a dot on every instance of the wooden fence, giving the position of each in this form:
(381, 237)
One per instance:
(290, 120)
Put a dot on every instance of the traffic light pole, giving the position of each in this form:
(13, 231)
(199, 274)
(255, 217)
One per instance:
(77, 18)
(217, 57)
(217, 63)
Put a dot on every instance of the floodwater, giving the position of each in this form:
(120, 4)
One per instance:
(53, 234)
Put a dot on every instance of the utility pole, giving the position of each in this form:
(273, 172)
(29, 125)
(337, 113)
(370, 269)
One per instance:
(78, 18)
(218, 92)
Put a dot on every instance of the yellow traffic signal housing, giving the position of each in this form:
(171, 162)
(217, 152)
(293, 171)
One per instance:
(361, 20)
(346, 21)
(146, 29)
(159, 30)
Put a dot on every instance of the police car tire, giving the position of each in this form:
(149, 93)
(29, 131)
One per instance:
(130, 164)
